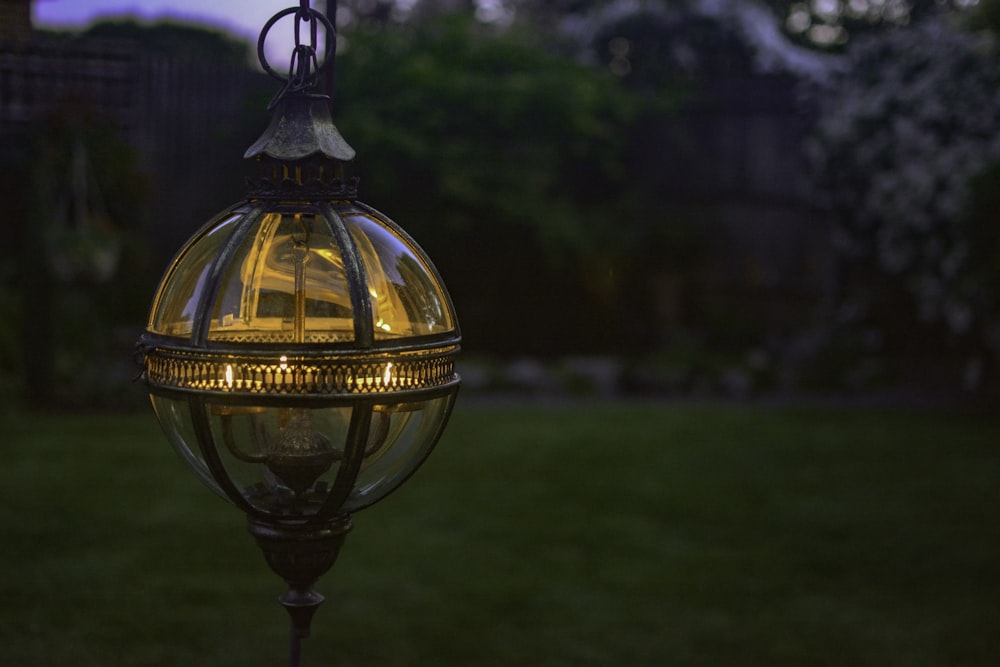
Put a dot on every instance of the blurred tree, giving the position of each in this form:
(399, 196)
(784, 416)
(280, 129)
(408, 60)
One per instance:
(830, 23)
(507, 162)
(179, 40)
(354, 12)
(652, 49)
(915, 119)
(984, 15)
(824, 24)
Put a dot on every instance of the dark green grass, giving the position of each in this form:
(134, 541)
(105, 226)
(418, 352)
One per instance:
(610, 535)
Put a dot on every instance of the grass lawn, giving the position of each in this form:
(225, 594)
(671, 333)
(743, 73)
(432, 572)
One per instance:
(615, 535)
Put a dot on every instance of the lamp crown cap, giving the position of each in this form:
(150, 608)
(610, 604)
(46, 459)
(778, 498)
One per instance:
(300, 128)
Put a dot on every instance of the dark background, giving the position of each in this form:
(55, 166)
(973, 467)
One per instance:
(696, 198)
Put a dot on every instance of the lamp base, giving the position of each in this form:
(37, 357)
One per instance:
(300, 554)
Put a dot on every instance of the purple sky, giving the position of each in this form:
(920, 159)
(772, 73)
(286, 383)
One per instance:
(241, 17)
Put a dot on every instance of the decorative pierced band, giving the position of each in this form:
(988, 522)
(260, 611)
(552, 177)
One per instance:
(265, 188)
(300, 375)
(311, 179)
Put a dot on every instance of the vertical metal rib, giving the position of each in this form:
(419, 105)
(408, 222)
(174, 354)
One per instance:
(203, 313)
(357, 281)
(206, 441)
(354, 454)
(300, 255)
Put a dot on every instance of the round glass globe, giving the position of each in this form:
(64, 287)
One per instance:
(300, 356)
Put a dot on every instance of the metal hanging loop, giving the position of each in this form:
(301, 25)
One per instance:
(305, 66)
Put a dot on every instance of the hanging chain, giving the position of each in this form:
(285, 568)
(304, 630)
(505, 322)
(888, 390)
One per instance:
(304, 66)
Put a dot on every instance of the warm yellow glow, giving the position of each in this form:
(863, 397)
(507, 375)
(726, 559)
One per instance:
(286, 282)
(289, 374)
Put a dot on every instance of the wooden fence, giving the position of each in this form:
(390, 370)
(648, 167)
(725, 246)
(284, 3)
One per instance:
(170, 110)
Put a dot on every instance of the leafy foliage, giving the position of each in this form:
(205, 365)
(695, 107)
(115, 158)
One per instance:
(832, 23)
(176, 39)
(822, 24)
(506, 161)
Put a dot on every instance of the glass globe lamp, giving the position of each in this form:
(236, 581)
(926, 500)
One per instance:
(299, 352)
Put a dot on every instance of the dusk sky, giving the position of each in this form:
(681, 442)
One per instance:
(241, 17)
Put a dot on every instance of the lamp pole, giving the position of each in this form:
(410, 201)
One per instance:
(330, 82)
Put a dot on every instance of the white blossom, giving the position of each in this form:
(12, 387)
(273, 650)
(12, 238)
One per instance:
(913, 119)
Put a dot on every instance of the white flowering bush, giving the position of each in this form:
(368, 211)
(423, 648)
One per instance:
(901, 136)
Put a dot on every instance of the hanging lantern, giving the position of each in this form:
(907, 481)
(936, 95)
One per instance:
(300, 348)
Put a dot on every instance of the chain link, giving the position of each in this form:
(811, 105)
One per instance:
(304, 66)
